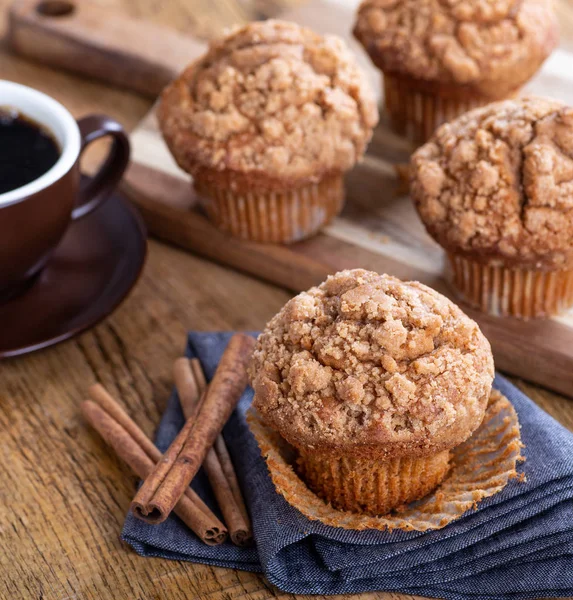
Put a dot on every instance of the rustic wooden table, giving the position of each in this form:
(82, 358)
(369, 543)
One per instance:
(63, 497)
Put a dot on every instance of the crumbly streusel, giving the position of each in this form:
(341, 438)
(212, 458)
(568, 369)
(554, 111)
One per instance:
(271, 98)
(497, 184)
(370, 363)
(491, 46)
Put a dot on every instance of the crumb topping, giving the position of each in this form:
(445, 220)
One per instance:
(368, 361)
(493, 46)
(271, 97)
(497, 183)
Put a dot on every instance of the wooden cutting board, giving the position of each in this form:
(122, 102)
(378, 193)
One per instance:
(378, 228)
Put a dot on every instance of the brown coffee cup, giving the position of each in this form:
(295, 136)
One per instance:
(34, 217)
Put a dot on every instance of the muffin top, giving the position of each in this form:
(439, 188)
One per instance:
(272, 100)
(370, 365)
(490, 46)
(496, 184)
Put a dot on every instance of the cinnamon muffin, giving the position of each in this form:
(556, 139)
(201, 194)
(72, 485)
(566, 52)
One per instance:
(267, 122)
(494, 189)
(373, 381)
(440, 58)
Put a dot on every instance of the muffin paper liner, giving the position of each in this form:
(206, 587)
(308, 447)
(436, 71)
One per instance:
(502, 291)
(272, 216)
(416, 113)
(480, 467)
(373, 487)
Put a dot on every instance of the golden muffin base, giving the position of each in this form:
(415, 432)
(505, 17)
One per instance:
(480, 467)
(371, 486)
(503, 291)
(415, 111)
(272, 216)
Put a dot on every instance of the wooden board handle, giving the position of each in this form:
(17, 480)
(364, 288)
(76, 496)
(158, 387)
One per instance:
(90, 40)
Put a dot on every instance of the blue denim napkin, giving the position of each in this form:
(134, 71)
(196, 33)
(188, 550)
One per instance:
(517, 544)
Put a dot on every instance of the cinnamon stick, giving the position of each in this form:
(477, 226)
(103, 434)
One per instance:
(220, 448)
(229, 470)
(239, 529)
(106, 401)
(167, 483)
(126, 439)
(198, 374)
(218, 464)
(188, 390)
(153, 513)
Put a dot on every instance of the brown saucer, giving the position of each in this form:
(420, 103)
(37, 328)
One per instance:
(90, 273)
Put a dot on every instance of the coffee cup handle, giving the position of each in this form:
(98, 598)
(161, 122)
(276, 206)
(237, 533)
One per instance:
(99, 187)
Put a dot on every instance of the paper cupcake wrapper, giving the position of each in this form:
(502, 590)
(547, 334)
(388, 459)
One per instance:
(374, 487)
(521, 293)
(270, 216)
(480, 467)
(416, 113)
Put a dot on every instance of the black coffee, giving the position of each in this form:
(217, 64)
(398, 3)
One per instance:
(27, 150)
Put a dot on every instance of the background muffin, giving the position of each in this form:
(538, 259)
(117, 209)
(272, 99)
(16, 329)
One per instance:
(373, 381)
(267, 122)
(494, 189)
(441, 58)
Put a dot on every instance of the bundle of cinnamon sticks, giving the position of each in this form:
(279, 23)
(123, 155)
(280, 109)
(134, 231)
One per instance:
(167, 477)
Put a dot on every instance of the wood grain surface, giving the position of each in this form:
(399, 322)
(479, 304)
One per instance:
(63, 498)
